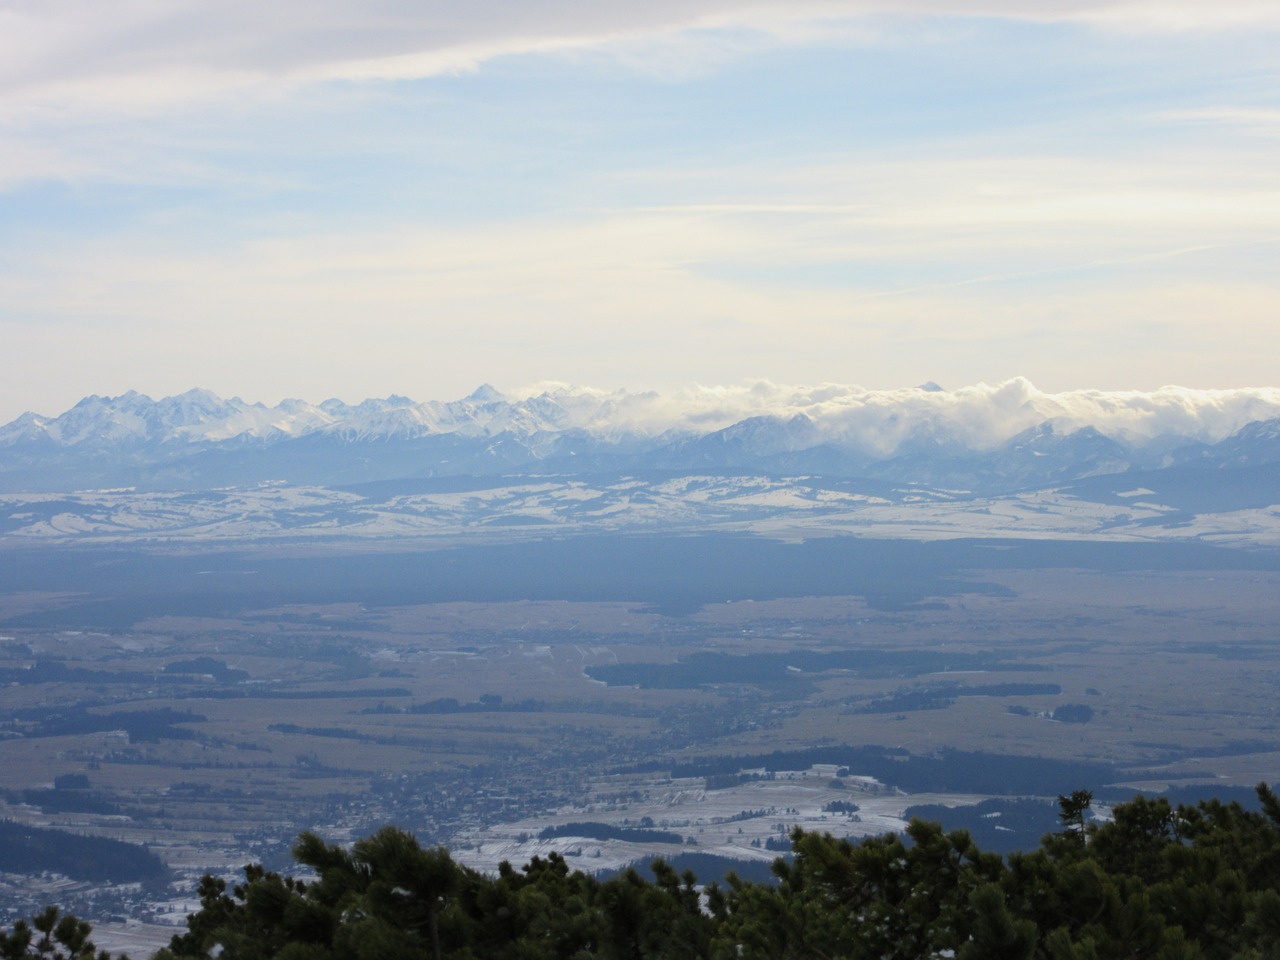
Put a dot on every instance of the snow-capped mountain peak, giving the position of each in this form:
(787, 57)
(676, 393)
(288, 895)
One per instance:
(484, 394)
(1009, 433)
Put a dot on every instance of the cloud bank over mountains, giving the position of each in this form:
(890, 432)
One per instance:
(877, 422)
(979, 417)
(872, 421)
(1005, 436)
(1003, 460)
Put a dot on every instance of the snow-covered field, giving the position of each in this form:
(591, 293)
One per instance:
(732, 822)
(784, 508)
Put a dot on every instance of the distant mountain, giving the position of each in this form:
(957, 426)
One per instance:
(1253, 445)
(983, 439)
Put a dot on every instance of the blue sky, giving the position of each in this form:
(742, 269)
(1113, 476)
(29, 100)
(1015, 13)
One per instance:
(357, 199)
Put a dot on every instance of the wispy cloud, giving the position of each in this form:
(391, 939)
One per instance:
(1263, 121)
(143, 54)
(631, 300)
(375, 195)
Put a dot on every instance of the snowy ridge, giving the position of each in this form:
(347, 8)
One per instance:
(876, 422)
(197, 415)
(1005, 437)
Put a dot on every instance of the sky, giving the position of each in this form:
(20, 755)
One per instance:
(330, 198)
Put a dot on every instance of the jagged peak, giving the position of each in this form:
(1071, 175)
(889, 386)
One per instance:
(874, 422)
(485, 393)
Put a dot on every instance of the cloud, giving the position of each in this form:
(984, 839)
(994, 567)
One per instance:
(631, 299)
(934, 225)
(149, 54)
(256, 204)
(1261, 121)
(879, 421)
(963, 270)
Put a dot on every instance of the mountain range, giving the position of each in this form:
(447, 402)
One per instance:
(983, 440)
(1004, 461)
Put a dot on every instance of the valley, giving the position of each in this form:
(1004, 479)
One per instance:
(211, 704)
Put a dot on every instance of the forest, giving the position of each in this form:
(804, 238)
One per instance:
(1151, 880)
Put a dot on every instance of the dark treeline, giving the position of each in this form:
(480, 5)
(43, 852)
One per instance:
(607, 831)
(143, 726)
(63, 801)
(1161, 882)
(1000, 825)
(705, 866)
(33, 850)
(958, 771)
(907, 702)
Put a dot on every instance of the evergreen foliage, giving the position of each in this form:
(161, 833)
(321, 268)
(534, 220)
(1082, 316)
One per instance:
(50, 936)
(1155, 881)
